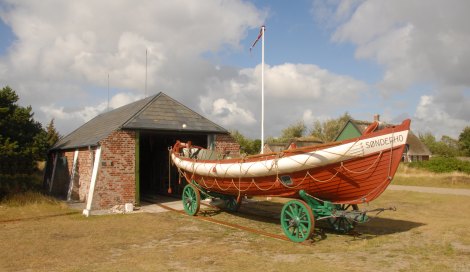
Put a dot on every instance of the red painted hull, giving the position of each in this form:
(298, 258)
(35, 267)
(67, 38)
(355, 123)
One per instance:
(352, 181)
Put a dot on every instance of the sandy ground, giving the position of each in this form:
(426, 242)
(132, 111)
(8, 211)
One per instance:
(176, 204)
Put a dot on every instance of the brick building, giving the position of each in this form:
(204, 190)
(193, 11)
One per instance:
(122, 156)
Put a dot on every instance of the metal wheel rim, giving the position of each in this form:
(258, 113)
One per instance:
(342, 224)
(297, 220)
(191, 199)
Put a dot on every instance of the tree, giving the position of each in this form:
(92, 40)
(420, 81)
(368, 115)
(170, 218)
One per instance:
(52, 135)
(428, 139)
(293, 131)
(19, 134)
(451, 146)
(247, 146)
(44, 140)
(6, 146)
(464, 141)
(17, 123)
(327, 130)
(447, 146)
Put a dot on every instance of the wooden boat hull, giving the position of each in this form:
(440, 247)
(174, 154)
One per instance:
(352, 178)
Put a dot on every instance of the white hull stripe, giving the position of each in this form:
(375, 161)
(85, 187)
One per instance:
(294, 163)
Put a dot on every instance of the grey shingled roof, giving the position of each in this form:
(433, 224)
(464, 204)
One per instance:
(165, 113)
(158, 112)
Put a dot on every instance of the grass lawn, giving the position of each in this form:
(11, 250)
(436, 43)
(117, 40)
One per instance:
(419, 177)
(428, 232)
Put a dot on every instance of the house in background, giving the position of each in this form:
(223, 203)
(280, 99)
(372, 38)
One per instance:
(122, 155)
(415, 149)
(292, 143)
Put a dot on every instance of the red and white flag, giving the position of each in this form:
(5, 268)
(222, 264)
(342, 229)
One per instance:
(257, 39)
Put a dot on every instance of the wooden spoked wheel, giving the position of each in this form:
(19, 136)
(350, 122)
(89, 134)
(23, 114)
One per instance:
(343, 224)
(191, 199)
(297, 220)
(232, 204)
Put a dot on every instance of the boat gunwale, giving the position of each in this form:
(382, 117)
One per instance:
(405, 125)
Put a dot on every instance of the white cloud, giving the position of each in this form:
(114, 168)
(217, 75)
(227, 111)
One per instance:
(308, 117)
(443, 114)
(416, 44)
(292, 92)
(122, 99)
(62, 56)
(69, 119)
(230, 114)
(65, 50)
(304, 81)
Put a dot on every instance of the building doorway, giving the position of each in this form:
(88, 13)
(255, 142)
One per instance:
(156, 173)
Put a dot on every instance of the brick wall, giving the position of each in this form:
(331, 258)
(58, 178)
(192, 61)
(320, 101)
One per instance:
(83, 173)
(81, 183)
(226, 144)
(115, 184)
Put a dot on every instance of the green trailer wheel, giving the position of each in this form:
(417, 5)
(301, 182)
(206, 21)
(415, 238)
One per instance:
(343, 224)
(191, 199)
(297, 220)
(232, 204)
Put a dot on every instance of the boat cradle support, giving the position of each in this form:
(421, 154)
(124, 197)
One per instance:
(323, 209)
(231, 203)
(298, 216)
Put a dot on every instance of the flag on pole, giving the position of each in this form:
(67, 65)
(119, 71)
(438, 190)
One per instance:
(259, 37)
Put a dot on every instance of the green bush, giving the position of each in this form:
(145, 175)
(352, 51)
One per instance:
(443, 165)
(14, 184)
(15, 163)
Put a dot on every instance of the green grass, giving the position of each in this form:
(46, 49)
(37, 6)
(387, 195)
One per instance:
(427, 233)
(28, 198)
(421, 177)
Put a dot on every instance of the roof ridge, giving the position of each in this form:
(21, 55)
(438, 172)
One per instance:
(134, 116)
(141, 109)
(196, 112)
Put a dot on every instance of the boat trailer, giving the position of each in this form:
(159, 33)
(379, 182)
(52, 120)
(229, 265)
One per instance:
(298, 216)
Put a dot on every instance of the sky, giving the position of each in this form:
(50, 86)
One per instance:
(400, 59)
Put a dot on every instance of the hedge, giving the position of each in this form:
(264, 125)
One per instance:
(13, 184)
(443, 165)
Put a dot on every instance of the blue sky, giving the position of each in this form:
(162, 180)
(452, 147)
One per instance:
(293, 36)
(399, 59)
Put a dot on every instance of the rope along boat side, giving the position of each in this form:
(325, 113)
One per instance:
(324, 178)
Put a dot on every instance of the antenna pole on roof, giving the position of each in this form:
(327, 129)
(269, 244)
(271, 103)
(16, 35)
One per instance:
(145, 72)
(107, 106)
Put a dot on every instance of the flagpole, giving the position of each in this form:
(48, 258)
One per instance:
(262, 90)
(145, 72)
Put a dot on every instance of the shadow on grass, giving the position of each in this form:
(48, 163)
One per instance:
(377, 226)
(383, 226)
(269, 212)
(38, 217)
